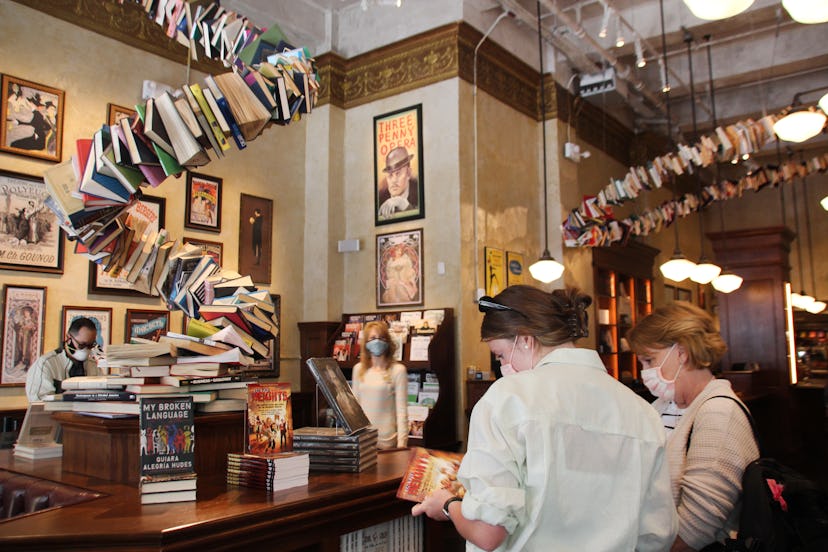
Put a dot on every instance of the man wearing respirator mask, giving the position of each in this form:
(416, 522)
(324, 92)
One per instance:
(380, 384)
(73, 358)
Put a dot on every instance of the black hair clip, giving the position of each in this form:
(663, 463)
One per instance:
(486, 304)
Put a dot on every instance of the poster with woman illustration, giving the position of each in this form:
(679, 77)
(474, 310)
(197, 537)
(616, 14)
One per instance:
(22, 331)
(400, 269)
(30, 237)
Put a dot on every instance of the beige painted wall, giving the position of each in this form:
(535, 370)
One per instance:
(94, 71)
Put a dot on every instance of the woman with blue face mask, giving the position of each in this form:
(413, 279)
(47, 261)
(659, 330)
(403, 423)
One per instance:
(380, 384)
(710, 441)
(560, 455)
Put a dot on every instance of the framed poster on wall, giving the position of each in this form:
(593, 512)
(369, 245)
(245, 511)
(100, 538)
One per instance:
(100, 316)
(398, 166)
(255, 237)
(400, 268)
(23, 316)
(32, 117)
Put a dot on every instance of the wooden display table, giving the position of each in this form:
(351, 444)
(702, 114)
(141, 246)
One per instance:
(109, 448)
(223, 518)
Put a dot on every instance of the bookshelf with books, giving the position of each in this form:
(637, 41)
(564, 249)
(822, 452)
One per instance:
(623, 295)
(427, 352)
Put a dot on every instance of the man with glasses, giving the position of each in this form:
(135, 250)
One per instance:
(70, 360)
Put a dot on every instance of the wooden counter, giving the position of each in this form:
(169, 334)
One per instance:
(223, 518)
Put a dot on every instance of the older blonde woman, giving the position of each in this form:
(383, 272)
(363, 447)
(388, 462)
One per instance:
(712, 443)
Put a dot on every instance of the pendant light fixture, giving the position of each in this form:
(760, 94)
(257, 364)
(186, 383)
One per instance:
(679, 267)
(816, 306)
(799, 300)
(800, 125)
(704, 271)
(725, 282)
(712, 10)
(546, 269)
(807, 11)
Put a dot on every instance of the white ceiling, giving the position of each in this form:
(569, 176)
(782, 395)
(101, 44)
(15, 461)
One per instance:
(761, 58)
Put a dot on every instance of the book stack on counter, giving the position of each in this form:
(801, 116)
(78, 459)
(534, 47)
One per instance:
(331, 449)
(94, 192)
(167, 441)
(274, 472)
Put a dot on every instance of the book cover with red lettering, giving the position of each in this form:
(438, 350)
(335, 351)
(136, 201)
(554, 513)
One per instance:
(167, 438)
(269, 427)
(430, 469)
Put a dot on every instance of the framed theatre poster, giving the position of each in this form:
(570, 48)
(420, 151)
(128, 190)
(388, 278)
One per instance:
(255, 237)
(115, 113)
(398, 166)
(400, 268)
(514, 268)
(32, 119)
(100, 316)
(23, 316)
(212, 248)
(203, 205)
(495, 271)
(30, 238)
(147, 324)
(149, 211)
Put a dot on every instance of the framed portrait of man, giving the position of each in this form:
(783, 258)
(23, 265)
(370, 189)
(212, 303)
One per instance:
(398, 166)
(400, 268)
(23, 317)
(255, 237)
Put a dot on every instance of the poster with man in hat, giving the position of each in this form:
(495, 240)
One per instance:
(398, 172)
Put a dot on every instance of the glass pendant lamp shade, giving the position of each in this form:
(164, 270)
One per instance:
(807, 11)
(727, 282)
(705, 272)
(717, 9)
(823, 104)
(816, 307)
(678, 268)
(546, 269)
(802, 300)
(824, 203)
(799, 126)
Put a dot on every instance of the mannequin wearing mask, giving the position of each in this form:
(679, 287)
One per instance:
(678, 345)
(73, 358)
(380, 384)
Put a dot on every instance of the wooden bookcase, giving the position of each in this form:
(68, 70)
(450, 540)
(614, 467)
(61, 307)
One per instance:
(623, 296)
(440, 429)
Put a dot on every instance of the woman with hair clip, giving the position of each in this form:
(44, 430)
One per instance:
(381, 386)
(560, 455)
(711, 443)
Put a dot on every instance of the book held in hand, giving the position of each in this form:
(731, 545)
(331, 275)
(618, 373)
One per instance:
(428, 470)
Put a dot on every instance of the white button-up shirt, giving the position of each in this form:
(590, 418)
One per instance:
(567, 458)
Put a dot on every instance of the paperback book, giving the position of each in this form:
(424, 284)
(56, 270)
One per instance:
(269, 427)
(428, 470)
(167, 440)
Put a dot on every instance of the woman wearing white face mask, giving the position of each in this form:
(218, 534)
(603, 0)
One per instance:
(380, 384)
(560, 455)
(712, 442)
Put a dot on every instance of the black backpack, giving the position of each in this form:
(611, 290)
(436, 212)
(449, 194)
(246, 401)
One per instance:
(782, 510)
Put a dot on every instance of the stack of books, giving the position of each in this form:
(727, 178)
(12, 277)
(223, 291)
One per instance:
(331, 449)
(270, 472)
(94, 192)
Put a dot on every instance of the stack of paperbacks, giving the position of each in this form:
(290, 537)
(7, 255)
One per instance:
(167, 441)
(352, 445)
(91, 192)
(223, 307)
(273, 473)
(268, 460)
(331, 449)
